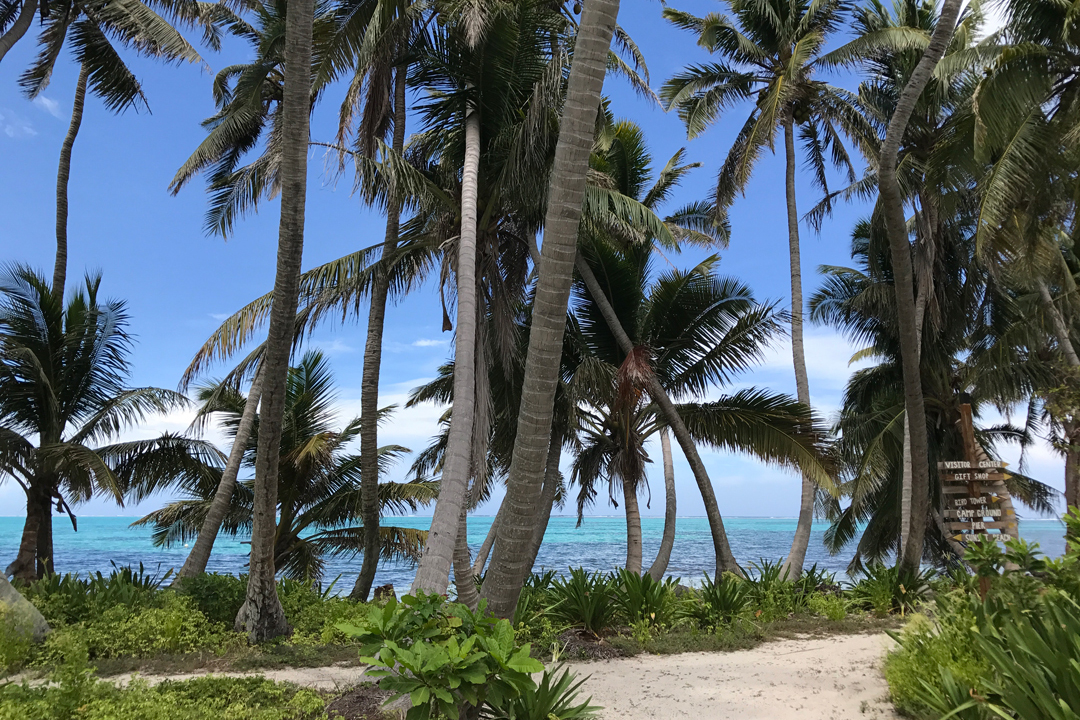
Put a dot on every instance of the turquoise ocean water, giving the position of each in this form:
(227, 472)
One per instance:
(599, 544)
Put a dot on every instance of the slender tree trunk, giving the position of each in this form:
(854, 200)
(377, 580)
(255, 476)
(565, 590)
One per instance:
(1061, 330)
(45, 564)
(667, 542)
(25, 565)
(793, 565)
(903, 281)
(725, 560)
(433, 575)
(485, 547)
(633, 529)
(1072, 433)
(548, 493)
(18, 28)
(261, 616)
(62, 174)
(219, 507)
(369, 383)
(577, 130)
(905, 487)
(464, 581)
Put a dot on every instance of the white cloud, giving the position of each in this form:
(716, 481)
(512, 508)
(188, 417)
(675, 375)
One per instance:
(48, 105)
(428, 342)
(336, 346)
(220, 316)
(14, 125)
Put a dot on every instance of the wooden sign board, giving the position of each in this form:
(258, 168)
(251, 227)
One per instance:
(977, 502)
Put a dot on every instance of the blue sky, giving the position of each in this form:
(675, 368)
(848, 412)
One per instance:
(179, 283)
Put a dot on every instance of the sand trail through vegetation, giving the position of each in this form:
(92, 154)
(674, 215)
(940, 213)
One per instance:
(820, 678)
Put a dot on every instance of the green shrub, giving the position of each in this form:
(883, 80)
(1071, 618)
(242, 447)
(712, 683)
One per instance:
(67, 599)
(770, 594)
(644, 600)
(444, 656)
(16, 643)
(584, 600)
(554, 697)
(216, 596)
(722, 600)
(174, 627)
(885, 590)
(928, 648)
(831, 607)
(75, 693)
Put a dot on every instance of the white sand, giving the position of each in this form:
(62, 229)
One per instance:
(808, 679)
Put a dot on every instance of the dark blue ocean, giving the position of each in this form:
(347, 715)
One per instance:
(598, 544)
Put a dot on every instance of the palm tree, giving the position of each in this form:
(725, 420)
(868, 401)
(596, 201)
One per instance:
(510, 563)
(769, 55)
(96, 34)
(320, 482)
(15, 19)
(64, 401)
(892, 205)
(939, 170)
(691, 331)
(261, 616)
(970, 354)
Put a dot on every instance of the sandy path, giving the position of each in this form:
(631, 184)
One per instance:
(829, 678)
(810, 679)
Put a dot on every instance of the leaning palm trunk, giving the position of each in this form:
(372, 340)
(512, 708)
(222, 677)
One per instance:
(261, 616)
(1072, 432)
(510, 563)
(663, 555)
(905, 487)
(369, 383)
(433, 575)
(552, 481)
(903, 281)
(464, 581)
(725, 560)
(63, 172)
(485, 548)
(18, 28)
(204, 544)
(633, 528)
(793, 565)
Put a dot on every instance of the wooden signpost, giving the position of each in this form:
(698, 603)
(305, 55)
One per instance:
(977, 501)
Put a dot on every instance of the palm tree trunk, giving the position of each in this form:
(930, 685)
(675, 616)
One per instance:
(261, 617)
(1072, 433)
(18, 28)
(433, 575)
(903, 281)
(485, 547)
(25, 565)
(725, 560)
(663, 555)
(369, 383)
(62, 174)
(547, 496)
(464, 582)
(45, 564)
(905, 488)
(577, 130)
(633, 528)
(219, 507)
(793, 565)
